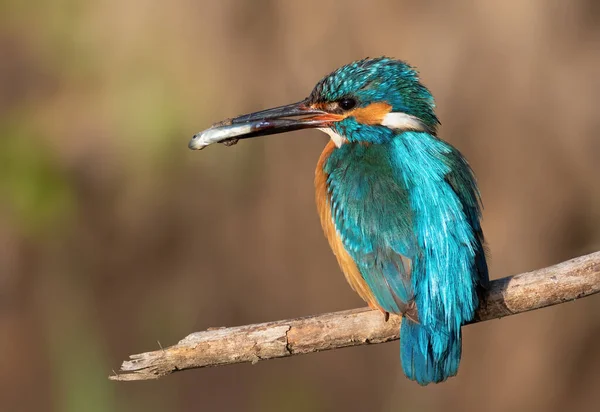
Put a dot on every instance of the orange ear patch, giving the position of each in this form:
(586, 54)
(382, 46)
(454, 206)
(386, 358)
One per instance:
(372, 114)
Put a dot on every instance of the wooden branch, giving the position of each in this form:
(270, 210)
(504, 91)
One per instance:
(561, 283)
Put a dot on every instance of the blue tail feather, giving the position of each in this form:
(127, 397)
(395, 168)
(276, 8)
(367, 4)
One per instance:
(428, 356)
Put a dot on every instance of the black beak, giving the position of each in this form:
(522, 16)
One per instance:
(280, 119)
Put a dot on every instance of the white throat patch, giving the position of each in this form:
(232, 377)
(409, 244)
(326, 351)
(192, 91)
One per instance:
(337, 139)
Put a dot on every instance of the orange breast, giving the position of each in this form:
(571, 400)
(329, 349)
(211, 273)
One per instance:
(347, 264)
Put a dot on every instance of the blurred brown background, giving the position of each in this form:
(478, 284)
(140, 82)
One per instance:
(114, 235)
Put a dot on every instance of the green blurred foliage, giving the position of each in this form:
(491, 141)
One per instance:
(32, 184)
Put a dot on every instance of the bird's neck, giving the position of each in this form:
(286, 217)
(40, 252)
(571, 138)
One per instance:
(414, 157)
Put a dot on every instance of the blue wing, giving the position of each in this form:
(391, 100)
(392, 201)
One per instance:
(372, 215)
(462, 181)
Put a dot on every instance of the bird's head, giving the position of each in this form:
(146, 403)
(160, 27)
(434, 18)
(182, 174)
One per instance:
(367, 101)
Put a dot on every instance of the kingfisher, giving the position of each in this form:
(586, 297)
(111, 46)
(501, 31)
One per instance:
(399, 206)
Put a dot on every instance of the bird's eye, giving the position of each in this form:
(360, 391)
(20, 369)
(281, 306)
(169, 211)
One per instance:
(347, 103)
